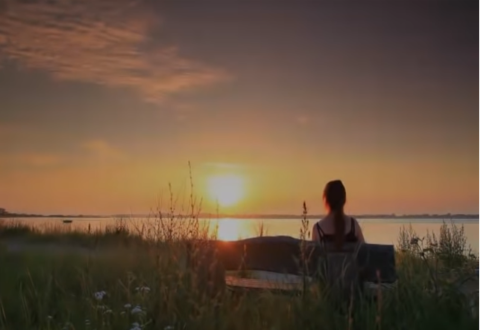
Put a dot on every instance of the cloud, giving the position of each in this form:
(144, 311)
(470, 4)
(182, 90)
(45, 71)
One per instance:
(31, 159)
(93, 150)
(183, 111)
(104, 42)
(102, 149)
(181, 117)
(302, 120)
(42, 159)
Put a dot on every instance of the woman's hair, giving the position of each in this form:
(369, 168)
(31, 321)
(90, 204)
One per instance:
(335, 197)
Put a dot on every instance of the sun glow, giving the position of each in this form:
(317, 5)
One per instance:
(229, 230)
(227, 190)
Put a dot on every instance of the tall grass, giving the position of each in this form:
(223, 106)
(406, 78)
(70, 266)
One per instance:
(135, 277)
(143, 284)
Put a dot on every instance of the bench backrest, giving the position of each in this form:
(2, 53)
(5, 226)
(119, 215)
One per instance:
(283, 254)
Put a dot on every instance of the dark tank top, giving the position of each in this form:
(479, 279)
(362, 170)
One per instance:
(350, 237)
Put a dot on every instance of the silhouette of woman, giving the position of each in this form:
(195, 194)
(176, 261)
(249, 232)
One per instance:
(336, 227)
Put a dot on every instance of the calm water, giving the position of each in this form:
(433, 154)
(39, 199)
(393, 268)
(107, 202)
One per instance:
(384, 231)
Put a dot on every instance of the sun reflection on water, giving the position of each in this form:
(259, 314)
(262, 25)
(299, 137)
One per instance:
(231, 229)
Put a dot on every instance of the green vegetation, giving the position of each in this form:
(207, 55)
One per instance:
(123, 278)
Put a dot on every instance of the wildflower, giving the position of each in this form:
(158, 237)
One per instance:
(127, 306)
(136, 310)
(108, 311)
(144, 289)
(122, 313)
(168, 327)
(87, 322)
(99, 295)
(50, 317)
(136, 326)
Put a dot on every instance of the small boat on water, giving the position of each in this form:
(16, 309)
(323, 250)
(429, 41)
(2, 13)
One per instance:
(67, 221)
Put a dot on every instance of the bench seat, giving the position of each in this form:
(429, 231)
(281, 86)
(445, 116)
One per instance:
(284, 282)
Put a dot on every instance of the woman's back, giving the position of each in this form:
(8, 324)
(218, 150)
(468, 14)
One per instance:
(324, 230)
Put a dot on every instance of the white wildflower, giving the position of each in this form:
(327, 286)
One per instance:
(144, 289)
(136, 310)
(108, 311)
(99, 295)
(136, 326)
(50, 317)
(168, 327)
(127, 306)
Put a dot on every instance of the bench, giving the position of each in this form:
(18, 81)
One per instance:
(295, 261)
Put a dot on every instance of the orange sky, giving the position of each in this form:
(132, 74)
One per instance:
(103, 104)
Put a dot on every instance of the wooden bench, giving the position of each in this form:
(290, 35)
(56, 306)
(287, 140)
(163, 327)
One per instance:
(288, 264)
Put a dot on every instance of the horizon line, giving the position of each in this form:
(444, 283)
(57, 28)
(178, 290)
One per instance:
(243, 216)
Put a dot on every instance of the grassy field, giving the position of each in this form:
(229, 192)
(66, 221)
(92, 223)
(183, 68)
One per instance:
(117, 279)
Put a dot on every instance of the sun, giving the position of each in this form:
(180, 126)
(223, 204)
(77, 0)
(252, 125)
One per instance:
(227, 190)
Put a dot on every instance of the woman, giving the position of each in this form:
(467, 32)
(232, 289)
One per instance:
(336, 227)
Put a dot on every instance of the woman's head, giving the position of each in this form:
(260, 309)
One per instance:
(335, 195)
(335, 198)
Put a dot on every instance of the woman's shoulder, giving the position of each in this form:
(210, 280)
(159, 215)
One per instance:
(324, 218)
(356, 223)
(320, 222)
(352, 218)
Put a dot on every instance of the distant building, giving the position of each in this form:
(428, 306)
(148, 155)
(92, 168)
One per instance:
(3, 211)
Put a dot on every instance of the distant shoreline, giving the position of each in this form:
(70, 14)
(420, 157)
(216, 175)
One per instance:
(253, 216)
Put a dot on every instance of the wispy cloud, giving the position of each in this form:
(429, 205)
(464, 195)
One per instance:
(102, 149)
(93, 150)
(302, 120)
(31, 159)
(42, 159)
(104, 42)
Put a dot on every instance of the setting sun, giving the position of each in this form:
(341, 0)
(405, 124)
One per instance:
(227, 190)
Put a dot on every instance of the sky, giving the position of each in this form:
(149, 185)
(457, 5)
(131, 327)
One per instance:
(103, 104)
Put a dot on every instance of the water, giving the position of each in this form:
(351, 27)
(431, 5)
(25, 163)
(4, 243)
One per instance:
(383, 231)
